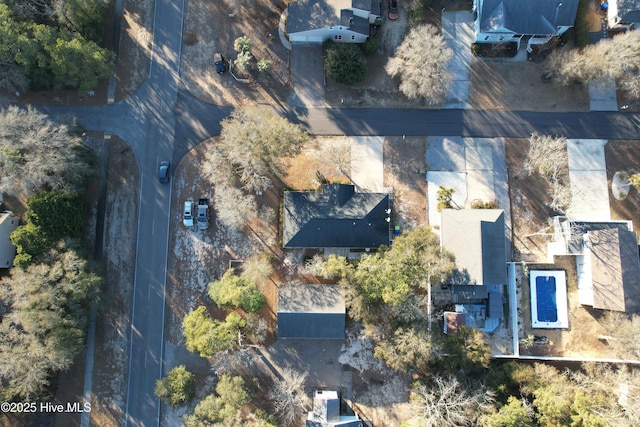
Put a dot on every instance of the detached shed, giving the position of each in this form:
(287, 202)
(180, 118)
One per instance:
(311, 312)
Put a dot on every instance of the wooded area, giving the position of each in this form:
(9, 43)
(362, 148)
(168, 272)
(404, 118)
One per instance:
(48, 44)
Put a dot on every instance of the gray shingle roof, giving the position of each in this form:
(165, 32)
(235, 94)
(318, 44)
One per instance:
(311, 312)
(353, 22)
(477, 239)
(304, 15)
(542, 17)
(336, 216)
(615, 269)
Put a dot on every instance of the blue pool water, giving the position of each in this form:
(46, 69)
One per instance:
(546, 299)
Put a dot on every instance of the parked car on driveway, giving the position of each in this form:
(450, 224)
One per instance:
(203, 214)
(164, 171)
(187, 217)
(393, 9)
(218, 60)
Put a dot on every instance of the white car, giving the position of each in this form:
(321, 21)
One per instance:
(187, 217)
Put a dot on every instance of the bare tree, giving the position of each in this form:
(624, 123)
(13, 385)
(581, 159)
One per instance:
(257, 268)
(37, 153)
(337, 155)
(447, 403)
(421, 63)
(255, 140)
(615, 58)
(548, 157)
(289, 398)
(624, 339)
(234, 208)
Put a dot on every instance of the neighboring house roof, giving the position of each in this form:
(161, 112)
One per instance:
(615, 269)
(373, 6)
(477, 239)
(575, 230)
(539, 17)
(353, 22)
(469, 293)
(627, 10)
(311, 312)
(335, 216)
(8, 224)
(494, 306)
(304, 15)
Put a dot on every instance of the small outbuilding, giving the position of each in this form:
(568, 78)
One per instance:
(311, 312)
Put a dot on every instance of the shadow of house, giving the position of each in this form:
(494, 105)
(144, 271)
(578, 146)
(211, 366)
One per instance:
(514, 21)
(336, 217)
(346, 21)
(607, 262)
(311, 312)
(476, 237)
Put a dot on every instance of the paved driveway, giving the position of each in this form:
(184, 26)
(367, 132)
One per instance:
(307, 74)
(588, 180)
(457, 29)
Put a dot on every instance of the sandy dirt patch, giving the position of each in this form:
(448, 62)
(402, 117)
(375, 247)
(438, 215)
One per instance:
(212, 27)
(113, 323)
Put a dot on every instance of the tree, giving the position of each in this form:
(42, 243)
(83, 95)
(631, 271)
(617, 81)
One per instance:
(37, 153)
(224, 408)
(234, 209)
(257, 268)
(344, 62)
(244, 61)
(548, 157)
(50, 217)
(408, 349)
(236, 291)
(43, 322)
(207, 336)
(615, 58)
(255, 141)
(242, 44)
(447, 403)
(624, 340)
(421, 64)
(515, 413)
(288, 395)
(264, 66)
(465, 352)
(445, 196)
(178, 387)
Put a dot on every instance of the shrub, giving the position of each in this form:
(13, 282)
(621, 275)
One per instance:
(242, 44)
(344, 62)
(264, 66)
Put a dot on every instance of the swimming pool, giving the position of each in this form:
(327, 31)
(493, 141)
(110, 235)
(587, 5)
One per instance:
(548, 290)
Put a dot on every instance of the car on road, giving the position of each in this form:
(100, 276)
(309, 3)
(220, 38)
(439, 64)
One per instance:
(393, 9)
(187, 217)
(203, 213)
(218, 60)
(164, 171)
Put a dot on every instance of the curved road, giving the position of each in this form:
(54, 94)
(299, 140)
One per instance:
(162, 122)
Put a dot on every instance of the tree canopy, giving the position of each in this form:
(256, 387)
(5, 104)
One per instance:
(224, 408)
(42, 327)
(236, 291)
(38, 154)
(208, 336)
(178, 387)
(421, 64)
(52, 43)
(344, 62)
(255, 141)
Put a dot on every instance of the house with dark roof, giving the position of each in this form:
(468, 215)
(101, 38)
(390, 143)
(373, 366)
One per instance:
(326, 412)
(504, 21)
(335, 217)
(346, 21)
(8, 224)
(311, 312)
